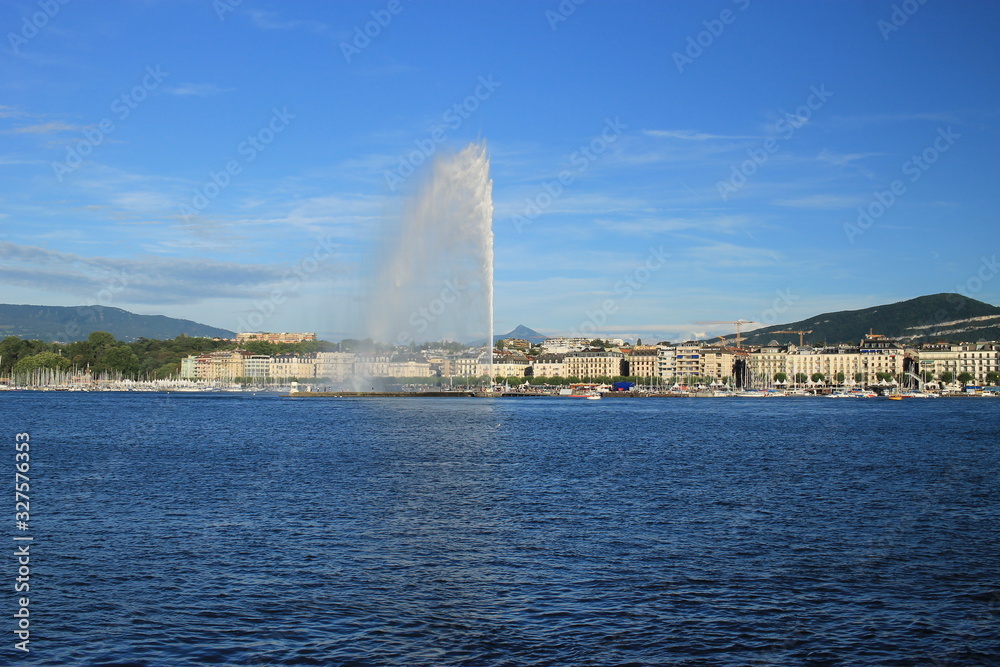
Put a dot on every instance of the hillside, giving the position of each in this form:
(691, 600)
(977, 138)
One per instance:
(925, 319)
(68, 323)
(521, 331)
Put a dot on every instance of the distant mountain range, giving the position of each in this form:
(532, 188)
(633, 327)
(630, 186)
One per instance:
(65, 324)
(925, 319)
(938, 317)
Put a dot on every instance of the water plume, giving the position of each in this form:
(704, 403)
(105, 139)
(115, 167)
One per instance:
(433, 279)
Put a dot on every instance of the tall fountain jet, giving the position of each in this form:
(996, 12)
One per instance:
(434, 278)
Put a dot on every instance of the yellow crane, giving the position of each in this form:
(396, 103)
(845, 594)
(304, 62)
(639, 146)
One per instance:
(800, 333)
(738, 323)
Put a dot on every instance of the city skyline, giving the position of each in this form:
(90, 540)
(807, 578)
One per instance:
(653, 165)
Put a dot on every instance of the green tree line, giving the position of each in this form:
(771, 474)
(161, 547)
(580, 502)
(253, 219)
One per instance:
(147, 358)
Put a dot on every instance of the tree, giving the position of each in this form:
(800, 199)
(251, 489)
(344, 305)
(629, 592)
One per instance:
(39, 361)
(947, 377)
(840, 377)
(965, 377)
(800, 378)
(780, 377)
(597, 342)
(858, 377)
(818, 377)
(993, 378)
(100, 339)
(122, 359)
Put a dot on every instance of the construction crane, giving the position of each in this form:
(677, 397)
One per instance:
(800, 333)
(738, 323)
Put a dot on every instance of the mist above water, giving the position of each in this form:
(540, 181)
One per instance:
(433, 277)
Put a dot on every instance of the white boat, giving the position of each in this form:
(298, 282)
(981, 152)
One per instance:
(588, 391)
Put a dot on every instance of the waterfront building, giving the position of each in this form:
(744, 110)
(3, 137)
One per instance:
(687, 360)
(549, 365)
(643, 362)
(464, 365)
(979, 360)
(880, 355)
(409, 366)
(221, 365)
(510, 365)
(335, 366)
(371, 366)
(288, 366)
(665, 357)
(717, 362)
(595, 363)
(188, 367)
(976, 359)
(766, 362)
(256, 366)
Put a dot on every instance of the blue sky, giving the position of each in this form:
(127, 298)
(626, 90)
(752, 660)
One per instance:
(234, 162)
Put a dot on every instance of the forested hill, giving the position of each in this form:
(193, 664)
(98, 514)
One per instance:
(70, 323)
(925, 319)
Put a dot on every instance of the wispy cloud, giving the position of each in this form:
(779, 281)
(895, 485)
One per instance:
(658, 226)
(692, 135)
(11, 112)
(197, 89)
(52, 127)
(271, 21)
(865, 120)
(825, 202)
(151, 280)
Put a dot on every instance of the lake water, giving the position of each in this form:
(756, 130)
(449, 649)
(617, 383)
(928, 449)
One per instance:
(189, 529)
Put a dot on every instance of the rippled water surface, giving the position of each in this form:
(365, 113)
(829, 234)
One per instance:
(174, 529)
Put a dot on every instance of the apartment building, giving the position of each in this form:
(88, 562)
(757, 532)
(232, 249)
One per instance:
(409, 366)
(717, 363)
(549, 365)
(976, 359)
(665, 358)
(510, 365)
(687, 360)
(643, 362)
(286, 366)
(256, 366)
(595, 363)
(465, 365)
(335, 366)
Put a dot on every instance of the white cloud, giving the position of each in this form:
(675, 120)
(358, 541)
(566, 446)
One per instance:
(692, 135)
(271, 21)
(197, 89)
(826, 202)
(150, 280)
(52, 127)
